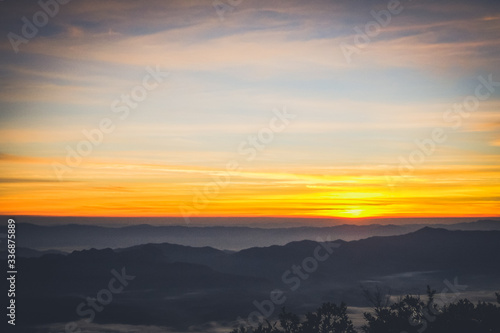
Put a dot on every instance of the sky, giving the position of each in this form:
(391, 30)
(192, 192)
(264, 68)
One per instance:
(345, 109)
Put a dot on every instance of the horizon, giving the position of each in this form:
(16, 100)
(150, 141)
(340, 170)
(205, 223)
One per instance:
(247, 222)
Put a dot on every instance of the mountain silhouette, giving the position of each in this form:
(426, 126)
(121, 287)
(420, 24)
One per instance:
(76, 237)
(176, 284)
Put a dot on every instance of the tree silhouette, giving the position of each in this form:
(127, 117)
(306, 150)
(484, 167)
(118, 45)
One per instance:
(412, 315)
(328, 318)
(409, 315)
(289, 322)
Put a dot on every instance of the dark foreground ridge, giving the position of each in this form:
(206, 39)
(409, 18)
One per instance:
(181, 286)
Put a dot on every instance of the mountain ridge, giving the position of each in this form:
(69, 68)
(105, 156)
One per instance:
(70, 237)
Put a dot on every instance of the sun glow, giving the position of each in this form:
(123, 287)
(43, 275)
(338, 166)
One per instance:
(352, 213)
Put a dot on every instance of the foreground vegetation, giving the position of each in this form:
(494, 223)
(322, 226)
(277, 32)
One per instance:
(409, 315)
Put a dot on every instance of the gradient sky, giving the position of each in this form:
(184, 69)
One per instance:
(230, 70)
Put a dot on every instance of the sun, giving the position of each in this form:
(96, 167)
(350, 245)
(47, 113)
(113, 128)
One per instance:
(352, 213)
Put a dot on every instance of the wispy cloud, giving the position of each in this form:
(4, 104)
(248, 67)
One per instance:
(354, 120)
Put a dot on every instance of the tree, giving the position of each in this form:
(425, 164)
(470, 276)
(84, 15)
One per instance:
(290, 322)
(412, 315)
(409, 315)
(328, 318)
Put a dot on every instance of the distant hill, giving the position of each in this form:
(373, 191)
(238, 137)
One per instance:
(478, 225)
(28, 253)
(70, 237)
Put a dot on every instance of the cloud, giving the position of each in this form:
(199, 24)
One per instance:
(226, 78)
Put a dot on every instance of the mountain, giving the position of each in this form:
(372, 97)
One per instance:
(29, 253)
(77, 237)
(478, 225)
(179, 286)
